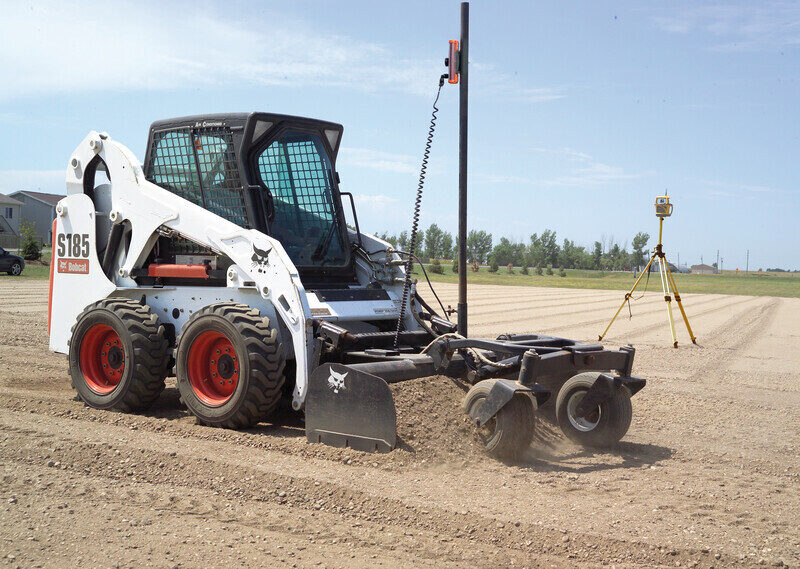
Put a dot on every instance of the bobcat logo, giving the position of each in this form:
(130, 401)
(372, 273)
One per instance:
(260, 259)
(336, 381)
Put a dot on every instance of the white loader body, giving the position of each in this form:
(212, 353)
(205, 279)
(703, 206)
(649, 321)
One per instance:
(262, 275)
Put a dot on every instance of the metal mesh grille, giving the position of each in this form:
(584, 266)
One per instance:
(296, 175)
(296, 171)
(200, 166)
(173, 165)
(219, 176)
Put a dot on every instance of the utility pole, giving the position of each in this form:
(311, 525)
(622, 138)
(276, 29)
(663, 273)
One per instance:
(747, 266)
(717, 259)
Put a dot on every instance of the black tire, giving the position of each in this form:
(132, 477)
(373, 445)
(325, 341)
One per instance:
(142, 355)
(603, 427)
(510, 432)
(255, 369)
(15, 270)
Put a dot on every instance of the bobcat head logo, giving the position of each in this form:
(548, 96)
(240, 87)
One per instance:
(260, 259)
(336, 381)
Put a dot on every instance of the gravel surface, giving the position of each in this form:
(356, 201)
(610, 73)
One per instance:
(708, 475)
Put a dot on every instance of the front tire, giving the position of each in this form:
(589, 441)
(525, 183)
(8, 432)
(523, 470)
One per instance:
(509, 433)
(605, 425)
(15, 270)
(230, 366)
(118, 355)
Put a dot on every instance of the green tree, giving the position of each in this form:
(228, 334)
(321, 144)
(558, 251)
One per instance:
(391, 239)
(549, 269)
(550, 247)
(525, 270)
(597, 256)
(402, 241)
(493, 266)
(436, 267)
(562, 272)
(479, 245)
(433, 242)
(455, 264)
(539, 270)
(638, 245)
(30, 245)
(447, 246)
(535, 253)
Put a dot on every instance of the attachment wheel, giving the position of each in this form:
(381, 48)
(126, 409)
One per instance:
(602, 427)
(510, 431)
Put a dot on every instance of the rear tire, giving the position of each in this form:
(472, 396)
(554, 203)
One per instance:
(229, 366)
(510, 432)
(118, 355)
(15, 270)
(603, 427)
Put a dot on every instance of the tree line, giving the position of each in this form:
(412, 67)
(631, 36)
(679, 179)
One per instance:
(540, 251)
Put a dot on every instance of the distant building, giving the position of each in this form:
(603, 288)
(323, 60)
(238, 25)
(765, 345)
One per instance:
(703, 270)
(39, 208)
(656, 267)
(9, 221)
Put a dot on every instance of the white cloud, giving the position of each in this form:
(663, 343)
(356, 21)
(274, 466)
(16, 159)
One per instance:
(378, 160)
(48, 181)
(735, 189)
(378, 201)
(744, 27)
(586, 171)
(50, 48)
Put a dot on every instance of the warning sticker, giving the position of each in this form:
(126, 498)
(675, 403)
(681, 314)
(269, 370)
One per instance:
(78, 266)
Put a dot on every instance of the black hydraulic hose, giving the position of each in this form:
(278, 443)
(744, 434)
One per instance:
(417, 206)
(114, 237)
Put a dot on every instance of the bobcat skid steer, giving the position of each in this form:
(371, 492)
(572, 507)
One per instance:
(225, 260)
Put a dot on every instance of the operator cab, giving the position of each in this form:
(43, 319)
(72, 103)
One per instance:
(273, 173)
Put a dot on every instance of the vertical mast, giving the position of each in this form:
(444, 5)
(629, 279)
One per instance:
(462, 169)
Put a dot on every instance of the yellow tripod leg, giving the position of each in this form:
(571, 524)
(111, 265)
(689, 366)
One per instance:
(680, 305)
(627, 296)
(665, 287)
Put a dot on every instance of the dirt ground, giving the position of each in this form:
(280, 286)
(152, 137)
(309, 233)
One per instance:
(708, 475)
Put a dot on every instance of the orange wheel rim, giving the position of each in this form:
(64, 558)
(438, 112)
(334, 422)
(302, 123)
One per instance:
(213, 368)
(102, 359)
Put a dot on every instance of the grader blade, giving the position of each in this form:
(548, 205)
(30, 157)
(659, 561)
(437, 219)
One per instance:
(350, 408)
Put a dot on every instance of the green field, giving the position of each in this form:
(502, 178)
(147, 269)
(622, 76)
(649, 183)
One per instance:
(729, 282)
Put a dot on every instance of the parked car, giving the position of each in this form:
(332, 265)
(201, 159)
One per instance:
(10, 263)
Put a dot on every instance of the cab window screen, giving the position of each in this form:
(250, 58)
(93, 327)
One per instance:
(174, 166)
(200, 165)
(296, 170)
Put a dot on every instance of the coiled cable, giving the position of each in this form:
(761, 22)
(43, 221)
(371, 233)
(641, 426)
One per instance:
(412, 241)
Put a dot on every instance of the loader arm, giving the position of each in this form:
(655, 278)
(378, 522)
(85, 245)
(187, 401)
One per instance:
(150, 210)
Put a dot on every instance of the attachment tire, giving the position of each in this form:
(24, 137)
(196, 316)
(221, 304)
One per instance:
(510, 432)
(605, 426)
(229, 366)
(118, 355)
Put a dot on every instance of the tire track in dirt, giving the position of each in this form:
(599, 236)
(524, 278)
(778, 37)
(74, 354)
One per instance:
(207, 469)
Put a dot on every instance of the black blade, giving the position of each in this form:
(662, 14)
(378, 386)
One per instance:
(350, 408)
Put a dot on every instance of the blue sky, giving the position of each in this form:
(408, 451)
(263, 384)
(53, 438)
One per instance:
(580, 112)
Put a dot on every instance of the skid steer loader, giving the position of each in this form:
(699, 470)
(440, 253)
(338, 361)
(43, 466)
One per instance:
(225, 259)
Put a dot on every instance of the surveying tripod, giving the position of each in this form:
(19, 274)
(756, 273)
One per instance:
(668, 285)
